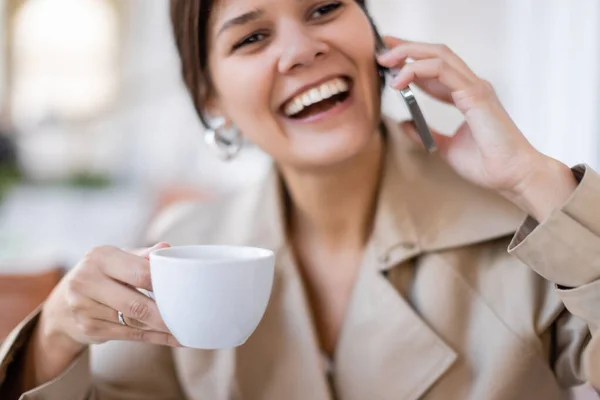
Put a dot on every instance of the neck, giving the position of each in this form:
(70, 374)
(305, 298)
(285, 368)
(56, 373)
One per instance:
(335, 207)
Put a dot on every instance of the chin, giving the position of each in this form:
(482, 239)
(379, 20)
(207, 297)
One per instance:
(323, 150)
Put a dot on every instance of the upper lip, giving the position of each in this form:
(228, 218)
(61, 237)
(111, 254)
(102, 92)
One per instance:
(304, 88)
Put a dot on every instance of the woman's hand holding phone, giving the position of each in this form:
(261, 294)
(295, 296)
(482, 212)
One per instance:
(488, 149)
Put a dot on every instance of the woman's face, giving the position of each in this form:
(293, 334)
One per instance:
(297, 77)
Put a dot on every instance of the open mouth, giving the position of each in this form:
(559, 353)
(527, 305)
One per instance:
(319, 99)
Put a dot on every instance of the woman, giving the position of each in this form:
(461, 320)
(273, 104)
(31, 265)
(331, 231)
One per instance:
(392, 275)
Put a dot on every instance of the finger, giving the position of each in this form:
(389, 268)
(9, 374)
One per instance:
(436, 89)
(103, 331)
(87, 308)
(146, 252)
(139, 335)
(130, 302)
(442, 141)
(422, 51)
(121, 266)
(431, 69)
(392, 59)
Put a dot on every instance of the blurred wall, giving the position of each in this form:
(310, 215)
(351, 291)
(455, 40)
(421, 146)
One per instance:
(64, 59)
(543, 58)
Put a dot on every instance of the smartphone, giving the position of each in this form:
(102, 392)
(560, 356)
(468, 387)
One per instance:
(406, 94)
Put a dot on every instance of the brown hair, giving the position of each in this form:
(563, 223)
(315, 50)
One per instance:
(189, 19)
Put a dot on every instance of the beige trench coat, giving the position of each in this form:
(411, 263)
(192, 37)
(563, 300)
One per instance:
(440, 309)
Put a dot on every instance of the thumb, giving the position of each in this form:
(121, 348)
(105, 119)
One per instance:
(442, 141)
(146, 252)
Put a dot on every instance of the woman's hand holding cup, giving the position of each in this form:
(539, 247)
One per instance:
(84, 309)
(213, 297)
(85, 306)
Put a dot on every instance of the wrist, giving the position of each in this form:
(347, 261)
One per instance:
(547, 186)
(50, 339)
(49, 352)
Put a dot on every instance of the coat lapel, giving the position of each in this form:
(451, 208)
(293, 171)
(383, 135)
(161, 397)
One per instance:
(386, 350)
(281, 360)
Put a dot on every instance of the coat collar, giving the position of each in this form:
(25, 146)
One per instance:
(426, 207)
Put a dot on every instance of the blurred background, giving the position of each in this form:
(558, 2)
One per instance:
(97, 132)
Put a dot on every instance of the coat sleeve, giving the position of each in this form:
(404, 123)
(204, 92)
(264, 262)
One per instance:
(112, 371)
(565, 249)
(74, 383)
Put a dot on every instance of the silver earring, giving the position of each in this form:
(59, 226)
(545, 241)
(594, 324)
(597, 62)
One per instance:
(225, 142)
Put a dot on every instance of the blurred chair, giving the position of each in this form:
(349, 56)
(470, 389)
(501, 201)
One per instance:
(20, 294)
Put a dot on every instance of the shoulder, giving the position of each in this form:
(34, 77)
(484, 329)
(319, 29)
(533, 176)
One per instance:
(226, 219)
(171, 223)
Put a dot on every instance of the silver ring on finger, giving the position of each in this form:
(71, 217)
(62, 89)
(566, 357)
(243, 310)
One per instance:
(121, 318)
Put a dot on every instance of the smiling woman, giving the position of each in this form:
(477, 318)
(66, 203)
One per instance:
(263, 49)
(189, 35)
(399, 274)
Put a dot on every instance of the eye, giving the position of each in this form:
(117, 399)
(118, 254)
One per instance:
(251, 39)
(326, 9)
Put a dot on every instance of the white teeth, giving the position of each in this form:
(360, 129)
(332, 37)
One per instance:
(325, 91)
(293, 107)
(298, 106)
(306, 101)
(341, 85)
(334, 89)
(315, 95)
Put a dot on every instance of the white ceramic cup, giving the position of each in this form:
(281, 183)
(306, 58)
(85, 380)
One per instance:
(212, 297)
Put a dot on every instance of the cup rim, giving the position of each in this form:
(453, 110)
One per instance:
(262, 253)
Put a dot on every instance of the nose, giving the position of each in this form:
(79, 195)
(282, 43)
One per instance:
(300, 49)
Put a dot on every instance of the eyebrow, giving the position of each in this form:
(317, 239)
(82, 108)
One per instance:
(242, 20)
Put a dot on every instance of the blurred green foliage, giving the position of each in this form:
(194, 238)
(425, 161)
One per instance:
(9, 167)
(11, 174)
(89, 181)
